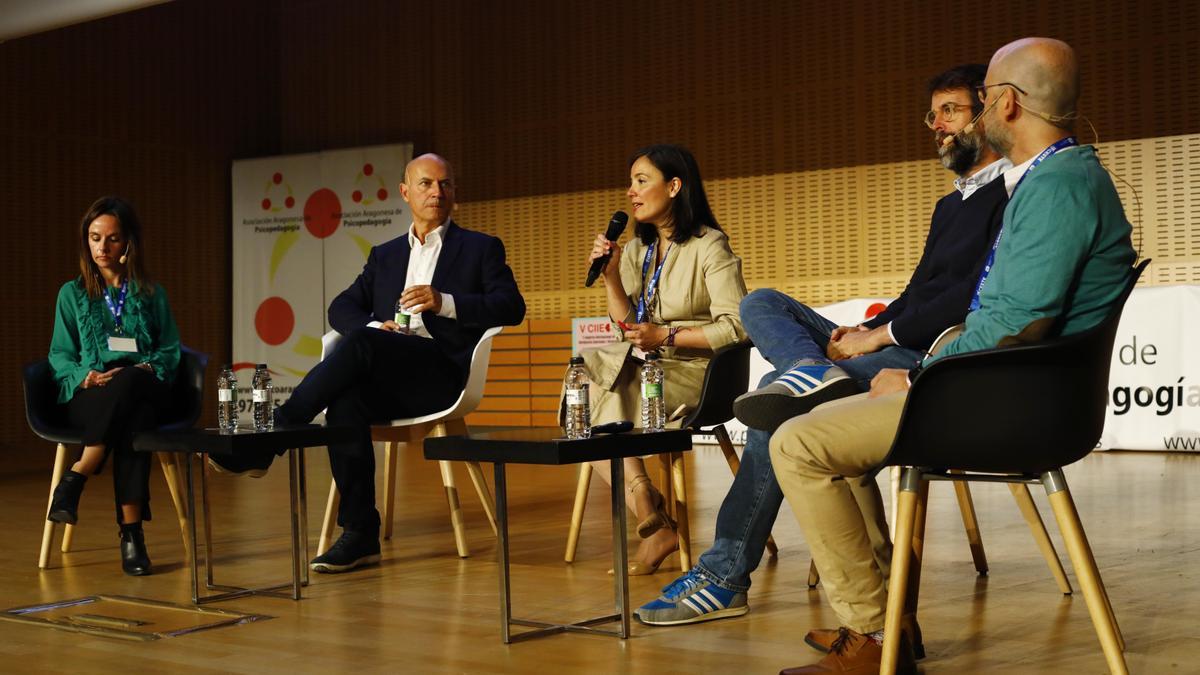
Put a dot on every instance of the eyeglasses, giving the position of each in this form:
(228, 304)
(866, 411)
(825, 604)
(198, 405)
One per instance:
(981, 91)
(948, 111)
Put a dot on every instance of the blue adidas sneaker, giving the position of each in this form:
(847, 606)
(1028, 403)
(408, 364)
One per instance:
(692, 598)
(793, 393)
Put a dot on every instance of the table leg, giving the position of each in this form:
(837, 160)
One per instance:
(620, 552)
(502, 552)
(304, 513)
(191, 512)
(294, 485)
(207, 511)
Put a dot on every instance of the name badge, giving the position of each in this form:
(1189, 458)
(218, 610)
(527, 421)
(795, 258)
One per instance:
(122, 344)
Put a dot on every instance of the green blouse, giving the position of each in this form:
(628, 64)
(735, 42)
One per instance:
(82, 327)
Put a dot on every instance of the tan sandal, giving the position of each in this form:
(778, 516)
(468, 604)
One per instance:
(660, 518)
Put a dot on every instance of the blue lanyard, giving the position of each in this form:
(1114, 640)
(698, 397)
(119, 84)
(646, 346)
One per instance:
(1062, 144)
(652, 286)
(116, 308)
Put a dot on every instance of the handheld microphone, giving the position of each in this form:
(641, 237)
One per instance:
(616, 225)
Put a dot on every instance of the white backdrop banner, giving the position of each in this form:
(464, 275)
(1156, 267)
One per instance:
(1154, 381)
(302, 228)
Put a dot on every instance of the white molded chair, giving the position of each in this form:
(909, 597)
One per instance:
(415, 430)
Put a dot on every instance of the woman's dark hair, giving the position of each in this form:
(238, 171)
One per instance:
(968, 76)
(689, 210)
(131, 231)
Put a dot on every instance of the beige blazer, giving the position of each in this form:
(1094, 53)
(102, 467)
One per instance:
(701, 285)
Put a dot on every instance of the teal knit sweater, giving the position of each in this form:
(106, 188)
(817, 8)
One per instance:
(1064, 257)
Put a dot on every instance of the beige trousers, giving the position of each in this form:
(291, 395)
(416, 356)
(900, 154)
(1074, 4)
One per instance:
(819, 459)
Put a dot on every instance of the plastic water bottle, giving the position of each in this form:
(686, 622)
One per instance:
(227, 411)
(654, 408)
(403, 318)
(579, 412)
(263, 399)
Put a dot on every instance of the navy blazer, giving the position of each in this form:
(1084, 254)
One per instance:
(471, 267)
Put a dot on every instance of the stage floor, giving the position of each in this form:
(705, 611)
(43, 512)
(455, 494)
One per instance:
(426, 610)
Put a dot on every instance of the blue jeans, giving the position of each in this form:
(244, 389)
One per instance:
(785, 331)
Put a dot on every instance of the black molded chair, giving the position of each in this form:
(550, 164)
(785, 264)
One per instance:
(1013, 415)
(725, 378)
(48, 419)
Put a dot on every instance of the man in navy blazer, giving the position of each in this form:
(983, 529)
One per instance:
(449, 285)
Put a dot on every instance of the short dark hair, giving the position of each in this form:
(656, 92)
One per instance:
(131, 230)
(967, 76)
(690, 210)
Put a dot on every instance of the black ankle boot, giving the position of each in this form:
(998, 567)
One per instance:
(134, 559)
(64, 505)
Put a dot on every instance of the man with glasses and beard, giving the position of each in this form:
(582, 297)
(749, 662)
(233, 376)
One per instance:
(812, 355)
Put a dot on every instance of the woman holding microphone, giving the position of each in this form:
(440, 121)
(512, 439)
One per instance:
(675, 289)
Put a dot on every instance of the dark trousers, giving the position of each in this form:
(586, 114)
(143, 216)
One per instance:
(373, 376)
(110, 416)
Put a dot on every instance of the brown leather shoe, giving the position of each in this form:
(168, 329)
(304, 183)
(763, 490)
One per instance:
(821, 639)
(853, 653)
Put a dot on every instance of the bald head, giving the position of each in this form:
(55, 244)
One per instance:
(1046, 69)
(426, 160)
(428, 188)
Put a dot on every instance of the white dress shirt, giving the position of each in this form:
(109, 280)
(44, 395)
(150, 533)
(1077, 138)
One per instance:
(422, 261)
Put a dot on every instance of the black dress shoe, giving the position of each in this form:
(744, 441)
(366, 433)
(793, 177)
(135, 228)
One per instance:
(134, 559)
(253, 463)
(351, 550)
(64, 505)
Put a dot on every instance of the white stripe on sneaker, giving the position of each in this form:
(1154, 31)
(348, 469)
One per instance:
(695, 606)
(717, 604)
(815, 382)
(794, 387)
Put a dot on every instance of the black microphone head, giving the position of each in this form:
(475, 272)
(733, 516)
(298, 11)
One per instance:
(616, 225)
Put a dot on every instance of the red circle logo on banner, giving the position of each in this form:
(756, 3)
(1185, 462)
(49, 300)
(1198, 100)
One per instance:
(274, 321)
(322, 213)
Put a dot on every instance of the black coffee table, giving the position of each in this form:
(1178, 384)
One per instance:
(204, 442)
(546, 446)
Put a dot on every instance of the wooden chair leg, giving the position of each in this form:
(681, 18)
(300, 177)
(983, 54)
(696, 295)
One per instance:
(1020, 492)
(581, 492)
(814, 577)
(60, 467)
(1086, 570)
(735, 465)
(170, 467)
(966, 507)
(330, 520)
(485, 495)
(68, 538)
(456, 514)
(905, 522)
(678, 484)
(913, 588)
(390, 453)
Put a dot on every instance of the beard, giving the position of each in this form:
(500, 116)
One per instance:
(998, 138)
(961, 154)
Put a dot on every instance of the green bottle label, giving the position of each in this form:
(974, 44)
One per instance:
(652, 390)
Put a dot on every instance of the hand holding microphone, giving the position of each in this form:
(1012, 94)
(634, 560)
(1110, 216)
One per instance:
(605, 247)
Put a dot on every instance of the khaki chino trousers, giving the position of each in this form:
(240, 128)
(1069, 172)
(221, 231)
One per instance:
(819, 460)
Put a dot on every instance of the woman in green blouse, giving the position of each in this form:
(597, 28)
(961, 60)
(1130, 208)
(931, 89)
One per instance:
(114, 353)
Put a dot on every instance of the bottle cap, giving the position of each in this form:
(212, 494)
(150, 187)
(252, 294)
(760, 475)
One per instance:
(652, 356)
(576, 361)
(227, 366)
(261, 365)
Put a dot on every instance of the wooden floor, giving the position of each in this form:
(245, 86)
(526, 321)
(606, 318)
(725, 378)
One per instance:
(425, 610)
